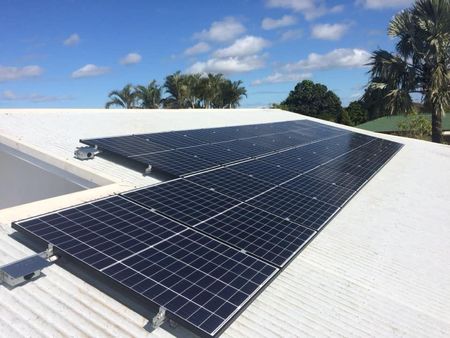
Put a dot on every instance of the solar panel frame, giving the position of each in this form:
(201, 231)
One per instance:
(127, 146)
(182, 200)
(242, 277)
(230, 183)
(295, 207)
(262, 234)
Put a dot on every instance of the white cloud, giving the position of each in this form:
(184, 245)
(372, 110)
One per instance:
(72, 40)
(292, 34)
(311, 9)
(286, 20)
(337, 58)
(247, 45)
(380, 4)
(199, 48)
(328, 31)
(228, 65)
(90, 70)
(278, 77)
(9, 95)
(16, 73)
(131, 59)
(222, 31)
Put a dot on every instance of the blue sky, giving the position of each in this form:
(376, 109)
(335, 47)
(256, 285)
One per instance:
(71, 53)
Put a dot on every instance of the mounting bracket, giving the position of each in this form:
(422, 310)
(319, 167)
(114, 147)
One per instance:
(25, 269)
(148, 170)
(159, 318)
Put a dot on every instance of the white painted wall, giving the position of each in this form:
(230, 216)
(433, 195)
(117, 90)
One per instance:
(24, 179)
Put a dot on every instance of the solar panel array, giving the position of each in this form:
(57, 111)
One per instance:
(181, 153)
(247, 199)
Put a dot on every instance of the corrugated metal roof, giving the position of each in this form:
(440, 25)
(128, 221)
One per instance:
(380, 268)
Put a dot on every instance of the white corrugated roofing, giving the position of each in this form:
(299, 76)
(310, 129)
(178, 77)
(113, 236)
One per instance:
(380, 267)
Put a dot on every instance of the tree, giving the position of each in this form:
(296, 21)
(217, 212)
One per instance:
(313, 99)
(356, 112)
(420, 63)
(175, 85)
(149, 96)
(125, 98)
(231, 93)
(415, 126)
(344, 118)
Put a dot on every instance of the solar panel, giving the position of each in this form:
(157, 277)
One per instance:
(321, 190)
(337, 177)
(126, 145)
(295, 207)
(291, 160)
(174, 163)
(231, 183)
(201, 282)
(217, 153)
(247, 147)
(262, 234)
(172, 140)
(182, 200)
(267, 172)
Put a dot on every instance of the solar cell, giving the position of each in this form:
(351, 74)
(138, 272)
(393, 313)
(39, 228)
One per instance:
(291, 160)
(231, 183)
(337, 177)
(217, 153)
(182, 200)
(126, 145)
(267, 172)
(197, 279)
(321, 190)
(172, 140)
(257, 232)
(247, 147)
(295, 207)
(175, 163)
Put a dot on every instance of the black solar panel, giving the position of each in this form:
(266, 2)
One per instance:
(198, 280)
(216, 153)
(257, 232)
(295, 207)
(175, 163)
(247, 147)
(172, 140)
(231, 183)
(182, 200)
(321, 190)
(337, 177)
(126, 145)
(267, 172)
(291, 160)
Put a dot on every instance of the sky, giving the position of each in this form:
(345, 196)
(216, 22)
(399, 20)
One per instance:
(72, 53)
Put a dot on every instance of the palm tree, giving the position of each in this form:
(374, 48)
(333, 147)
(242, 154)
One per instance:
(210, 89)
(176, 87)
(421, 63)
(125, 98)
(149, 96)
(231, 93)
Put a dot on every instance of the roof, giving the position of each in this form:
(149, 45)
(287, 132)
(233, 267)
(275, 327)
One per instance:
(390, 124)
(379, 268)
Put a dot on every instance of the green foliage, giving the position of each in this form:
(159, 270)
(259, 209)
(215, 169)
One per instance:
(124, 98)
(356, 112)
(420, 64)
(183, 91)
(415, 126)
(344, 118)
(313, 99)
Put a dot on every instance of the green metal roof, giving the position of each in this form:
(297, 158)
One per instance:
(388, 124)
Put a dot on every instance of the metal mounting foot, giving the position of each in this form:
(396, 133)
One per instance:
(159, 318)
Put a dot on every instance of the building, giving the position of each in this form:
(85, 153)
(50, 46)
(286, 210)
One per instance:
(380, 267)
(390, 124)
